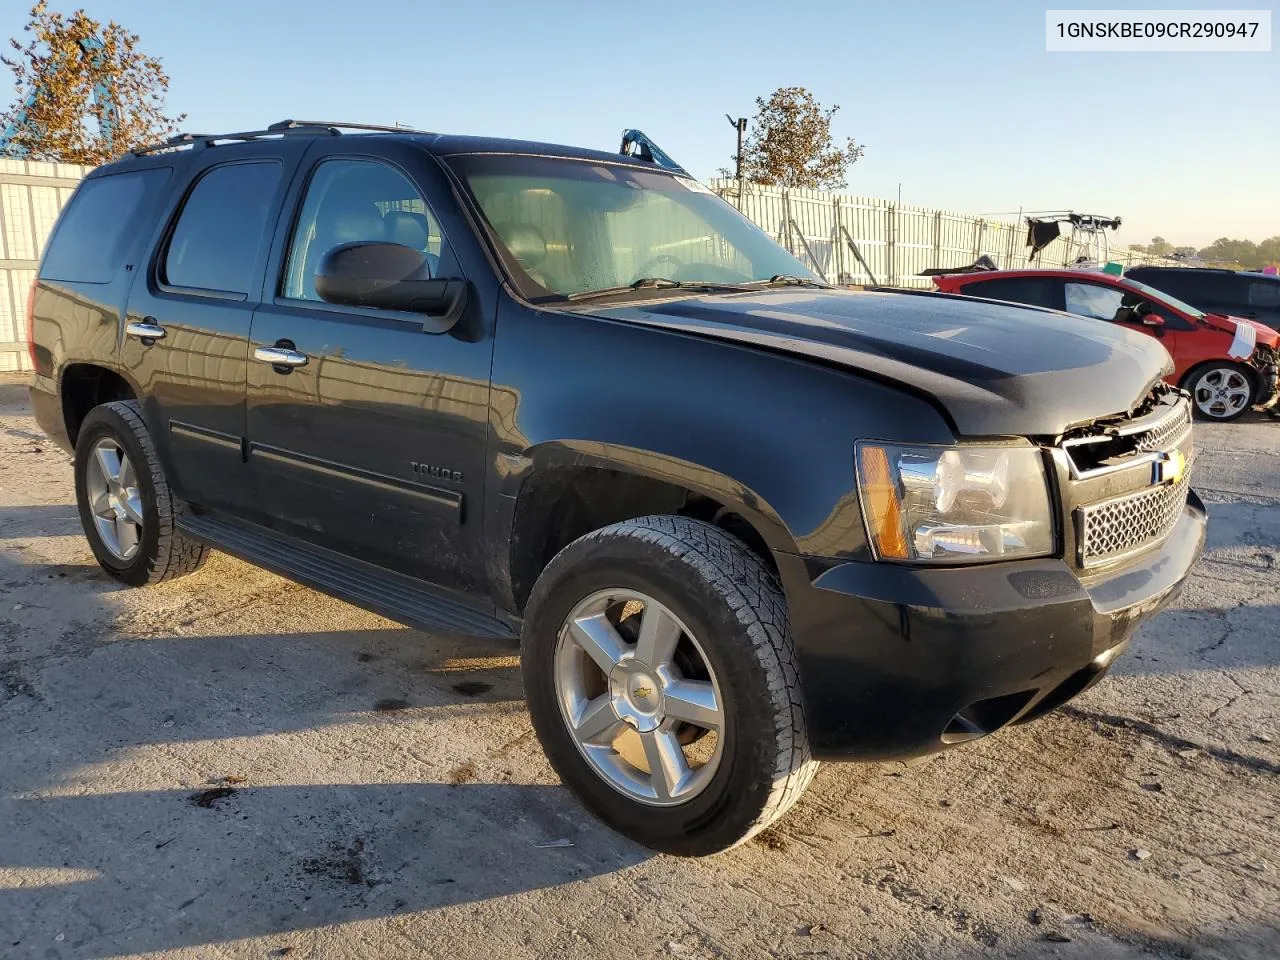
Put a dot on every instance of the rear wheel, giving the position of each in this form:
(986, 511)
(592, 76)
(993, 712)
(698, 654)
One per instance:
(661, 680)
(127, 511)
(1220, 390)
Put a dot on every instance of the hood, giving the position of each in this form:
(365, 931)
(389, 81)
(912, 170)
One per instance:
(997, 369)
(1261, 333)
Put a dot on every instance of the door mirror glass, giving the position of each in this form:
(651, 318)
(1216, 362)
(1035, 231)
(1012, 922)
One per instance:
(388, 276)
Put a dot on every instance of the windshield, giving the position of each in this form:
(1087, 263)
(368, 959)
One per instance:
(571, 227)
(1161, 296)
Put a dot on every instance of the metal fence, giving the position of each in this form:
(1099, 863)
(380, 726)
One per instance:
(851, 239)
(31, 194)
(848, 239)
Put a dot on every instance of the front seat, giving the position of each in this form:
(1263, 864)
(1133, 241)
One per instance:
(340, 220)
(410, 230)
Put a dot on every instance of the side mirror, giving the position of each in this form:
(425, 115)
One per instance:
(1152, 320)
(390, 276)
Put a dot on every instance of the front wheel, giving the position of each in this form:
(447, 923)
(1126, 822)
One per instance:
(661, 680)
(1220, 391)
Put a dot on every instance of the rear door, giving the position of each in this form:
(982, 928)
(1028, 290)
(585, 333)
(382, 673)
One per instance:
(187, 333)
(373, 444)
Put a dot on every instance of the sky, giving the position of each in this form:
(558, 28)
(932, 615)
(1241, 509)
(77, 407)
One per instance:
(957, 103)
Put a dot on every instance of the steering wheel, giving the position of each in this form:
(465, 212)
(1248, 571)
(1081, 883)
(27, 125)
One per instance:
(650, 267)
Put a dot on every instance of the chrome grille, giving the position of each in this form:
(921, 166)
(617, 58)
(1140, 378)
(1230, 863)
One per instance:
(1126, 525)
(1166, 434)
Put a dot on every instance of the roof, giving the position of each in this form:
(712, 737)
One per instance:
(436, 143)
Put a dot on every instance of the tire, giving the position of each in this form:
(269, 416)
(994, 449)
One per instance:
(156, 550)
(1205, 384)
(733, 624)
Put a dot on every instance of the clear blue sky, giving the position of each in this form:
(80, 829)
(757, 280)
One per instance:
(958, 102)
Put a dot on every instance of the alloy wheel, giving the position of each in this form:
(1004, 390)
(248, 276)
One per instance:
(1222, 393)
(639, 697)
(114, 498)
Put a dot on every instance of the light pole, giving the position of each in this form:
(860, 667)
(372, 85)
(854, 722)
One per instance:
(740, 125)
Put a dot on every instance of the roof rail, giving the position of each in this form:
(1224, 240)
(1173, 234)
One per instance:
(282, 128)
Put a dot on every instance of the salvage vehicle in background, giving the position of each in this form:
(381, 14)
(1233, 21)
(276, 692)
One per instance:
(1237, 293)
(1228, 364)
(740, 520)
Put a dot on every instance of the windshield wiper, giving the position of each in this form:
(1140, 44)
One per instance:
(790, 280)
(657, 283)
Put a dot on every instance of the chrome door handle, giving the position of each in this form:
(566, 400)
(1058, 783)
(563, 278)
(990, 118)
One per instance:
(145, 330)
(280, 356)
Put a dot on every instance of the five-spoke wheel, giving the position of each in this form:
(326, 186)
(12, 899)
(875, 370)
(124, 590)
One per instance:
(1221, 391)
(112, 485)
(639, 696)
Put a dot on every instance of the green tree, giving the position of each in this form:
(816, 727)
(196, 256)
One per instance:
(55, 64)
(791, 144)
(1159, 247)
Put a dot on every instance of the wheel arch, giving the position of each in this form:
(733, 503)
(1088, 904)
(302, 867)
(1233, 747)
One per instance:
(1251, 374)
(571, 489)
(85, 385)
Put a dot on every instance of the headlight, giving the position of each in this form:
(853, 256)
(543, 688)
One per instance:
(955, 504)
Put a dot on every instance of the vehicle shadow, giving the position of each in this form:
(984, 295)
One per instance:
(158, 870)
(39, 520)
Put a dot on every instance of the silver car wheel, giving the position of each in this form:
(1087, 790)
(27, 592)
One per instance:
(639, 697)
(114, 499)
(1222, 393)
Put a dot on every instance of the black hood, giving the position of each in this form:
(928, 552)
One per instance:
(997, 369)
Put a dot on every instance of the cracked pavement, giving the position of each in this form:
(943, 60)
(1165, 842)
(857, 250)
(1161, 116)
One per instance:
(231, 765)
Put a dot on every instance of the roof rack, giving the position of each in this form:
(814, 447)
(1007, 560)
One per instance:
(282, 128)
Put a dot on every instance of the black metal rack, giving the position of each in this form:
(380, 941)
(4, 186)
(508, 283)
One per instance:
(282, 128)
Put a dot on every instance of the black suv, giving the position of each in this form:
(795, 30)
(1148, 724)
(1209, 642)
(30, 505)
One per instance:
(741, 521)
(1236, 294)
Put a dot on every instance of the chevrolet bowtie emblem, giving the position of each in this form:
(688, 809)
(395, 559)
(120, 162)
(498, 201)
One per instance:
(1169, 468)
(643, 692)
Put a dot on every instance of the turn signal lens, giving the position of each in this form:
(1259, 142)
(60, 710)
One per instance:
(882, 503)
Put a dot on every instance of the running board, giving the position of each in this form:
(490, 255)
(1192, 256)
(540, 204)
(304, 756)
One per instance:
(393, 595)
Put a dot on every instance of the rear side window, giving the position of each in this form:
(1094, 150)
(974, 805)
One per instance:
(104, 214)
(215, 243)
(1036, 291)
(1264, 294)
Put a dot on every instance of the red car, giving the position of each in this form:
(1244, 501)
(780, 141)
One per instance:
(1228, 364)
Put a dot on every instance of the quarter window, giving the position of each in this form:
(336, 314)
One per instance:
(90, 240)
(348, 201)
(219, 233)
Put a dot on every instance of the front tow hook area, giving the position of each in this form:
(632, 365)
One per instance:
(987, 716)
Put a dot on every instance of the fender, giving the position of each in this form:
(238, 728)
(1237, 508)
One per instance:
(769, 435)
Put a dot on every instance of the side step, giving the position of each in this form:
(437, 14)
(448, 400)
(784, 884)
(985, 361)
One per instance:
(393, 595)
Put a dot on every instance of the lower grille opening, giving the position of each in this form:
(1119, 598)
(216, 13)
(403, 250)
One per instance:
(985, 716)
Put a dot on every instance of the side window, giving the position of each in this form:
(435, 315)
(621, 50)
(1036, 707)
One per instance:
(354, 200)
(90, 240)
(1036, 291)
(219, 232)
(1264, 294)
(1093, 300)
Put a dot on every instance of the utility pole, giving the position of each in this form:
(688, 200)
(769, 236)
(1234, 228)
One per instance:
(739, 125)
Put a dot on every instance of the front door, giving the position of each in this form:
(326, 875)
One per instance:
(187, 333)
(370, 438)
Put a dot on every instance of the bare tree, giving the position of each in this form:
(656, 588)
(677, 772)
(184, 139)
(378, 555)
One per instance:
(96, 94)
(791, 143)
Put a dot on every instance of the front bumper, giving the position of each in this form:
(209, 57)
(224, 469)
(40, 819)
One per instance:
(897, 662)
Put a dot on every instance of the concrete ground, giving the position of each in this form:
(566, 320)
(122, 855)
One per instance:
(234, 766)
